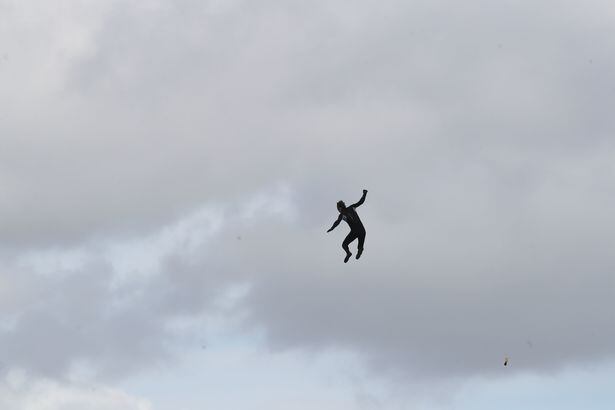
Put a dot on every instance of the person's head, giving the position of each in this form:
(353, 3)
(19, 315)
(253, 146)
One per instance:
(341, 206)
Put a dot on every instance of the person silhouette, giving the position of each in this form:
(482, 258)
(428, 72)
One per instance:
(357, 230)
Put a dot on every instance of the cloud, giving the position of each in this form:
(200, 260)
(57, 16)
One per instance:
(481, 133)
(18, 390)
(109, 304)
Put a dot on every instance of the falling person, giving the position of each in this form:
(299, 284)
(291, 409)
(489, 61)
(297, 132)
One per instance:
(357, 231)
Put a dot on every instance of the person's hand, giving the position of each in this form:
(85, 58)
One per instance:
(365, 191)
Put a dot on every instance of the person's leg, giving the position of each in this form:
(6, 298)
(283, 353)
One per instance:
(351, 237)
(361, 237)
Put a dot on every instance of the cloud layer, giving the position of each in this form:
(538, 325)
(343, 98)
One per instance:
(176, 150)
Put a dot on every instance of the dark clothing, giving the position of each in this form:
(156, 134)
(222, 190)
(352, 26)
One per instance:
(357, 230)
(352, 236)
(352, 219)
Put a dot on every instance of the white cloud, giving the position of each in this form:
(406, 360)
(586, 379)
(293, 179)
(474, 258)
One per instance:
(20, 391)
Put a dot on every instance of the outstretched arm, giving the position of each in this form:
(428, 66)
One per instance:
(336, 223)
(360, 200)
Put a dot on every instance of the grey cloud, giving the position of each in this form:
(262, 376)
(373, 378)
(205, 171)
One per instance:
(452, 289)
(116, 322)
(481, 133)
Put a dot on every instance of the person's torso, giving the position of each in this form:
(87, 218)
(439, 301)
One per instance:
(352, 218)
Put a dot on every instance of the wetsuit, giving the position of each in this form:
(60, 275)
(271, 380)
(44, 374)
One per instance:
(357, 230)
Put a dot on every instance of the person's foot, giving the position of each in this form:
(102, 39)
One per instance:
(348, 255)
(359, 253)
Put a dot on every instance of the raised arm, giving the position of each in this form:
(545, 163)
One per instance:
(336, 223)
(360, 200)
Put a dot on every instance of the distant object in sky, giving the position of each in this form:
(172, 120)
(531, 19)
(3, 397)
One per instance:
(357, 230)
(506, 361)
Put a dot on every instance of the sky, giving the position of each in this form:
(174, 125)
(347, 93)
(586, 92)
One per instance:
(168, 171)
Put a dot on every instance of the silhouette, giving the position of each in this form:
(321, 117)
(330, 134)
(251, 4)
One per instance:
(357, 230)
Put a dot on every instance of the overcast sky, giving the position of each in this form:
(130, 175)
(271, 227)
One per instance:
(168, 171)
